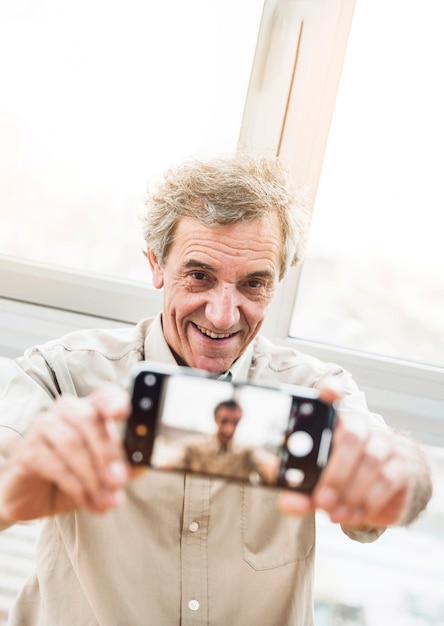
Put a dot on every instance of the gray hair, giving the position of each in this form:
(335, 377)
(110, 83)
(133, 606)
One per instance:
(224, 191)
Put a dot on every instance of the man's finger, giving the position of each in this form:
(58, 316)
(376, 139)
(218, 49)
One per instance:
(294, 503)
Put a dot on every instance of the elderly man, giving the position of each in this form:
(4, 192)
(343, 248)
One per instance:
(178, 548)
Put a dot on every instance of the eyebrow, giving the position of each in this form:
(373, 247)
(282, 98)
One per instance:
(193, 263)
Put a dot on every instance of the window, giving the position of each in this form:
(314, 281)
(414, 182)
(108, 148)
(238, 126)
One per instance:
(97, 97)
(373, 275)
(397, 580)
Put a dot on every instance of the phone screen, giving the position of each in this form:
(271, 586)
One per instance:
(243, 432)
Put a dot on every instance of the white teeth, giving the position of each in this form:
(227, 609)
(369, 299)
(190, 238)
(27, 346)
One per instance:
(208, 333)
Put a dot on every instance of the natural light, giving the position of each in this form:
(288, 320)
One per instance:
(97, 99)
(373, 278)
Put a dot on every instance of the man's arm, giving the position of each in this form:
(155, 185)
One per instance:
(71, 458)
(9, 440)
(375, 478)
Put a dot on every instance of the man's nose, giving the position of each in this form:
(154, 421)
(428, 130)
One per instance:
(229, 432)
(222, 308)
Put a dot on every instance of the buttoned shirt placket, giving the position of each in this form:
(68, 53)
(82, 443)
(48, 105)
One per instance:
(194, 551)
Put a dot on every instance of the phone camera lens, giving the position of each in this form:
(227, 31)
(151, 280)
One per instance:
(150, 380)
(145, 403)
(306, 409)
(137, 456)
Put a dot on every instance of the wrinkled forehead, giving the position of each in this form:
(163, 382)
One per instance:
(261, 234)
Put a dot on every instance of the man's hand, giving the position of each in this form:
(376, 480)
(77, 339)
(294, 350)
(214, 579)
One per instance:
(374, 477)
(71, 458)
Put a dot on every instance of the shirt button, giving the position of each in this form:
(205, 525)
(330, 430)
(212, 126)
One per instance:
(193, 605)
(194, 526)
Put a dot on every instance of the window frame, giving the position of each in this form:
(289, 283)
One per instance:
(410, 396)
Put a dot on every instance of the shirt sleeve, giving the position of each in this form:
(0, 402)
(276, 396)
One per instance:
(27, 387)
(353, 401)
(363, 535)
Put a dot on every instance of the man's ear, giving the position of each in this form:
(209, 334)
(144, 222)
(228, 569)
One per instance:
(155, 269)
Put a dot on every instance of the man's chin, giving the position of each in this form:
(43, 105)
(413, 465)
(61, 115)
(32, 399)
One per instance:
(212, 365)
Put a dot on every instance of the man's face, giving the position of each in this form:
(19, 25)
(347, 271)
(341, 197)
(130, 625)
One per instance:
(227, 420)
(217, 285)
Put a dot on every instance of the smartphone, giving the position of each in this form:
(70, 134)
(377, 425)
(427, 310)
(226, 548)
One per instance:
(185, 420)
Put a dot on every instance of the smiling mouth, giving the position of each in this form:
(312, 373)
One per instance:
(213, 335)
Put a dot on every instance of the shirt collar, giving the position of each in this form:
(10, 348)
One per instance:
(156, 348)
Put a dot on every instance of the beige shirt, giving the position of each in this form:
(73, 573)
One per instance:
(206, 454)
(181, 550)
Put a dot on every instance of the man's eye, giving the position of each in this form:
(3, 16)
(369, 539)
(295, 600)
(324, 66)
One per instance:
(254, 284)
(198, 275)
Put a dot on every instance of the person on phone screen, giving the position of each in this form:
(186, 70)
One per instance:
(169, 548)
(221, 455)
